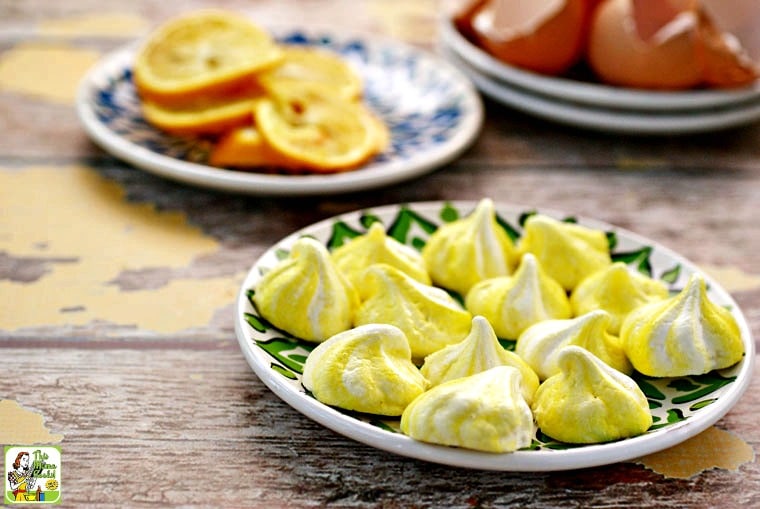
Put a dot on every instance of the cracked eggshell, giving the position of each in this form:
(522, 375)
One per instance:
(544, 36)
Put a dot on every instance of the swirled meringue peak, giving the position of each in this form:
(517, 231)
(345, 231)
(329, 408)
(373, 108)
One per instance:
(305, 294)
(589, 402)
(568, 252)
(617, 290)
(479, 352)
(373, 247)
(468, 250)
(686, 334)
(539, 345)
(430, 317)
(485, 411)
(514, 303)
(365, 369)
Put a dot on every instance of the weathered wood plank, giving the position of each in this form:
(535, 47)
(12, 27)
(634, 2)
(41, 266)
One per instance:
(154, 419)
(197, 427)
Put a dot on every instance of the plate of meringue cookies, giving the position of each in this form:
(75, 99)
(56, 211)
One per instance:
(493, 336)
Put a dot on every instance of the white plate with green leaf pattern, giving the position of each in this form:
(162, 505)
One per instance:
(681, 407)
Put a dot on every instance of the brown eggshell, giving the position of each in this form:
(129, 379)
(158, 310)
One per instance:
(725, 65)
(552, 47)
(619, 56)
(462, 17)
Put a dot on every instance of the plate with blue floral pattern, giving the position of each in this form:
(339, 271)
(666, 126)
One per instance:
(432, 110)
(681, 407)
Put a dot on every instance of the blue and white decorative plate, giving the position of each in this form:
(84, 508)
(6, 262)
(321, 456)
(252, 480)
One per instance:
(681, 407)
(433, 112)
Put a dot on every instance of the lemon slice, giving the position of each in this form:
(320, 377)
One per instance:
(311, 65)
(308, 123)
(214, 114)
(244, 147)
(205, 51)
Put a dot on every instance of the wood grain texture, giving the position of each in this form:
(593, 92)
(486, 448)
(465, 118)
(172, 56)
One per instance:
(195, 426)
(155, 420)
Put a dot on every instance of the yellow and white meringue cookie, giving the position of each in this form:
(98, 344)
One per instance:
(373, 247)
(468, 250)
(365, 369)
(485, 412)
(305, 294)
(479, 352)
(514, 303)
(568, 252)
(430, 317)
(686, 334)
(540, 344)
(617, 290)
(589, 402)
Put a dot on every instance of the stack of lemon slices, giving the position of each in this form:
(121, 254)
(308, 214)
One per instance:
(267, 106)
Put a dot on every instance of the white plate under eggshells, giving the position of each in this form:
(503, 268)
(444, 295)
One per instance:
(682, 407)
(593, 94)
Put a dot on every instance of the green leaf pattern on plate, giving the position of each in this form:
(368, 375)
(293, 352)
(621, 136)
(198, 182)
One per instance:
(403, 227)
(638, 259)
(341, 232)
(671, 400)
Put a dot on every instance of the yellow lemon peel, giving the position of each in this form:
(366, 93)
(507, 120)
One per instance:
(244, 147)
(209, 116)
(310, 124)
(312, 65)
(204, 52)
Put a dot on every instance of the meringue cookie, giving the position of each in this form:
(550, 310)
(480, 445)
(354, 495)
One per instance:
(485, 411)
(375, 246)
(305, 294)
(568, 252)
(365, 369)
(540, 344)
(468, 250)
(617, 290)
(684, 335)
(430, 317)
(589, 402)
(514, 303)
(479, 352)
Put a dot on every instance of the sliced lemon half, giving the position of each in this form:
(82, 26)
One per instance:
(312, 125)
(213, 114)
(204, 52)
(244, 147)
(303, 64)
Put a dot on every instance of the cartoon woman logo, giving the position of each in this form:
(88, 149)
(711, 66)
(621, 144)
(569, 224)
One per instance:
(21, 478)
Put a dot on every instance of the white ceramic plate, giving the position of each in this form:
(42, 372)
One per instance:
(432, 110)
(604, 119)
(681, 407)
(589, 93)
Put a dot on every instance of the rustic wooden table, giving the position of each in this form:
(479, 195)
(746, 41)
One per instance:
(117, 287)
